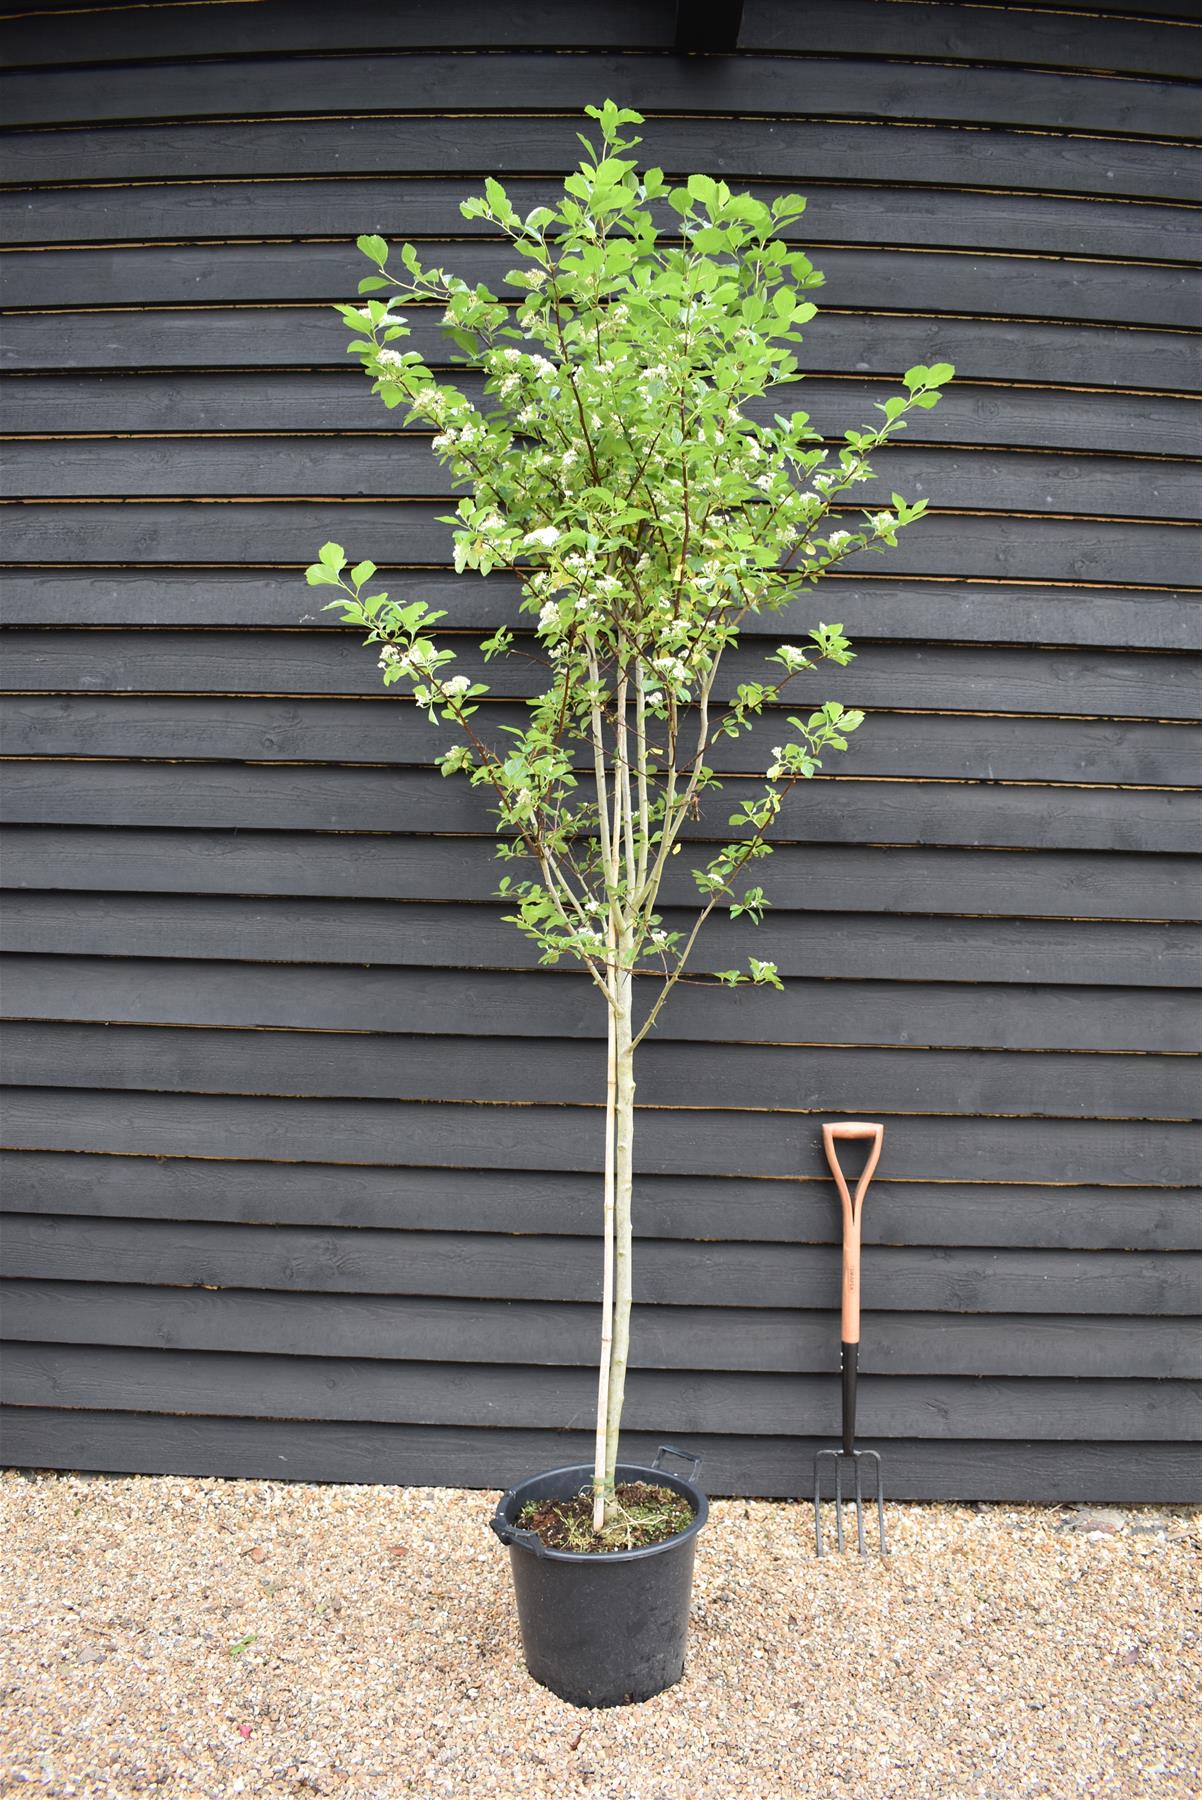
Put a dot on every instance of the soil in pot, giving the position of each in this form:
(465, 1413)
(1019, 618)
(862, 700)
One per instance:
(644, 1514)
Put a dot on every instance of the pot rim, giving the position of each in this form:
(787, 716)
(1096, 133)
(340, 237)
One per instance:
(625, 1472)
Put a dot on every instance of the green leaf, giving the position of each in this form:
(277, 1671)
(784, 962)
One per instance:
(498, 199)
(333, 556)
(374, 247)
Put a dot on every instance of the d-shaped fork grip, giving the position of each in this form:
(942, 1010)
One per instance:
(852, 1212)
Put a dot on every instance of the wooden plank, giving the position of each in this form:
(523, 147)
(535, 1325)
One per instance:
(471, 1266)
(1117, 46)
(400, 207)
(830, 809)
(347, 731)
(739, 150)
(1103, 486)
(426, 1329)
(963, 612)
(881, 344)
(453, 1134)
(977, 546)
(563, 1003)
(941, 677)
(339, 400)
(105, 35)
(280, 1450)
(877, 946)
(732, 1210)
(861, 877)
(1051, 38)
(784, 1079)
(763, 85)
(914, 281)
(113, 1378)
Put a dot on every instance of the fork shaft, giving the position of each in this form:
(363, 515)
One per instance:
(849, 1365)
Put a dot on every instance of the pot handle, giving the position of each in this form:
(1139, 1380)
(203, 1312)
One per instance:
(684, 1455)
(511, 1534)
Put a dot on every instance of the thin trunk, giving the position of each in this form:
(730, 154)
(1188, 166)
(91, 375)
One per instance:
(607, 1279)
(623, 1182)
(609, 854)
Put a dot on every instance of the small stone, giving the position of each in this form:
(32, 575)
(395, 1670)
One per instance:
(1104, 1519)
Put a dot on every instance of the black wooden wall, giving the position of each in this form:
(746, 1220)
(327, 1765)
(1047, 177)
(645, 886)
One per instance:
(304, 1151)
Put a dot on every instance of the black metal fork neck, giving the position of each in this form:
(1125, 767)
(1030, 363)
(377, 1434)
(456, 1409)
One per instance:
(850, 1364)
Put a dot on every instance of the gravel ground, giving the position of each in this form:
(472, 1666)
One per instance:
(212, 1638)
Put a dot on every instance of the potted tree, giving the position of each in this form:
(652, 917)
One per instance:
(624, 464)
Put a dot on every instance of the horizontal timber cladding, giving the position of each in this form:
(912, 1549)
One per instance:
(835, 215)
(303, 1149)
(174, 467)
(911, 282)
(1029, 351)
(125, 1188)
(306, 931)
(338, 403)
(746, 149)
(557, 1333)
(494, 1003)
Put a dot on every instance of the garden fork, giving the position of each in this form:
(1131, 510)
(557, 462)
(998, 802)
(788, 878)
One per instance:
(852, 1213)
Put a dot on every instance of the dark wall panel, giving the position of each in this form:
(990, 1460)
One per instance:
(302, 1150)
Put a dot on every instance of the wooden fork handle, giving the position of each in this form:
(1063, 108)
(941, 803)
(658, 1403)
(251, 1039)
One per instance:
(852, 1212)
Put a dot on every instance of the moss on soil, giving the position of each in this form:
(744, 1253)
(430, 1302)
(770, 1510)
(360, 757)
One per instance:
(643, 1514)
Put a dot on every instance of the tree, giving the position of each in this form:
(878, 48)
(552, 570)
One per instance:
(625, 469)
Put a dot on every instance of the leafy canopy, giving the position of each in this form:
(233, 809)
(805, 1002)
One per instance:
(624, 467)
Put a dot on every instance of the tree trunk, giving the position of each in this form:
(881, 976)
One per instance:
(623, 1183)
(607, 1281)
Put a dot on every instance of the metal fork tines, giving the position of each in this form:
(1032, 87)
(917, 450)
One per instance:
(857, 1458)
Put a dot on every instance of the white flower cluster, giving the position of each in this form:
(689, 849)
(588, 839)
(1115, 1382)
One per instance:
(429, 401)
(542, 538)
(672, 669)
(792, 657)
(413, 661)
(392, 359)
(456, 758)
(837, 538)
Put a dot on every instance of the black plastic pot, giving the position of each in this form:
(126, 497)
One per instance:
(603, 1630)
